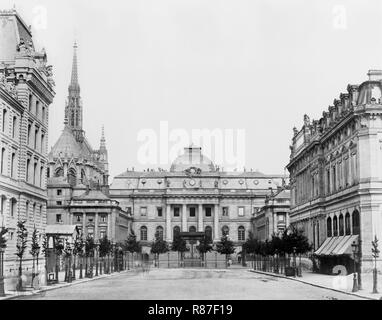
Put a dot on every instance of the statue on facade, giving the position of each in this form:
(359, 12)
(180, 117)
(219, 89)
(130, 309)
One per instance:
(295, 131)
(216, 184)
(306, 120)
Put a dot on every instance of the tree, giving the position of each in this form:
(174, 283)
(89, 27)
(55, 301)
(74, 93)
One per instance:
(35, 251)
(159, 246)
(21, 245)
(67, 259)
(58, 249)
(375, 254)
(132, 245)
(104, 250)
(45, 251)
(225, 246)
(179, 245)
(89, 252)
(78, 250)
(204, 246)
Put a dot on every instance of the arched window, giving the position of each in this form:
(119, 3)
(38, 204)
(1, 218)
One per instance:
(27, 209)
(176, 231)
(208, 233)
(335, 226)
(13, 165)
(225, 231)
(72, 177)
(355, 222)
(341, 224)
(34, 172)
(14, 124)
(41, 176)
(192, 229)
(329, 227)
(143, 233)
(59, 172)
(83, 177)
(347, 224)
(159, 232)
(241, 233)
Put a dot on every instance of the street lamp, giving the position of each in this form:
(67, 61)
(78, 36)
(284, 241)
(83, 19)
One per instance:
(2, 292)
(355, 284)
(96, 257)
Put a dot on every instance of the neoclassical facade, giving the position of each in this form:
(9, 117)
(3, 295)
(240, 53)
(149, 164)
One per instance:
(336, 177)
(26, 92)
(194, 195)
(78, 177)
(273, 217)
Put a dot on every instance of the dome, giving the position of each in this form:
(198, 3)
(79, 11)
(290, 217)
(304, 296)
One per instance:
(370, 92)
(192, 157)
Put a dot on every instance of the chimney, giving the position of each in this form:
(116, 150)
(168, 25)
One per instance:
(375, 75)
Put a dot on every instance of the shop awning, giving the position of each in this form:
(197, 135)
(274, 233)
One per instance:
(337, 245)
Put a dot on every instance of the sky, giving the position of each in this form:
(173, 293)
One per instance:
(252, 67)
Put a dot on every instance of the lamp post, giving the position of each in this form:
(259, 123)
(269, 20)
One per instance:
(359, 247)
(70, 250)
(355, 284)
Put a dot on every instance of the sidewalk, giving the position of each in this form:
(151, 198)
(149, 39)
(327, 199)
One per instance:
(336, 283)
(30, 291)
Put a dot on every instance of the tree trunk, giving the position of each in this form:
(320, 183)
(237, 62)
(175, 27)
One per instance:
(20, 281)
(81, 262)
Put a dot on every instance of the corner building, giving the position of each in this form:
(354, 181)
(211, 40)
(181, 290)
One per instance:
(193, 196)
(336, 177)
(26, 92)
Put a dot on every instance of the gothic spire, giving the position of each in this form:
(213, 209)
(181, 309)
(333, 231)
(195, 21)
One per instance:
(103, 140)
(74, 85)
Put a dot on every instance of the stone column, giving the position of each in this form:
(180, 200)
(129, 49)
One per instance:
(200, 218)
(184, 218)
(168, 223)
(216, 222)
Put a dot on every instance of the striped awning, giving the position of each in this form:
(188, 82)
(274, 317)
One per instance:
(337, 246)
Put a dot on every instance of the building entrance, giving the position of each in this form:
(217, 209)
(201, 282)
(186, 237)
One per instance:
(192, 258)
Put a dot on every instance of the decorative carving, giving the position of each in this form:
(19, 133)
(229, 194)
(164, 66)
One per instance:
(193, 171)
(216, 184)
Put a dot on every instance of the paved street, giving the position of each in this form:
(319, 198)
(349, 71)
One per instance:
(167, 284)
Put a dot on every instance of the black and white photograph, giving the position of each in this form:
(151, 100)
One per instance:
(190, 151)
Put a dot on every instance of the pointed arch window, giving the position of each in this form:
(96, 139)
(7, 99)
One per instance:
(355, 222)
(347, 224)
(329, 227)
(341, 225)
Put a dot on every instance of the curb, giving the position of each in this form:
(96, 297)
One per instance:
(62, 285)
(312, 284)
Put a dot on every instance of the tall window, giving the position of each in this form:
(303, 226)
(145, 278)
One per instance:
(176, 212)
(347, 224)
(13, 207)
(4, 119)
(37, 107)
(192, 212)
(29, 134)
(159, 232)
(2, 204)
(160, 211)
(176, 231)
(41, 176)
(27, 209)
(42, 142)
(241, 233)
(30, 102)
(241, 212)
(334, 178)
(327, 181)
(208, 211)
(335, 226)
(341, 224)
(27, 170)
(13, 164)
(35, 138)
(208, 233)
(72, 177)
(225, 231)
(34, 172)
(329, 227)
(2, 169)
(143, 233)
(355, 222)
(43, 114)
(14, 124)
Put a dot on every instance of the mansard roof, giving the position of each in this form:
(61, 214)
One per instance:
(92, 195)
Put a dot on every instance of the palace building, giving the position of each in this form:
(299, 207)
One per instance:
(336, 177)
(193, 196)
(26, 92)
(78, 178)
